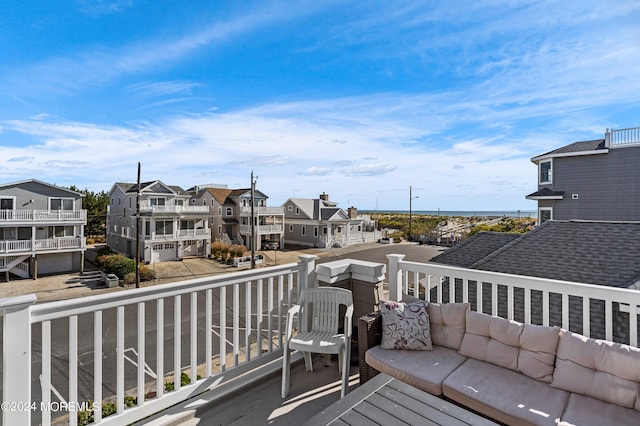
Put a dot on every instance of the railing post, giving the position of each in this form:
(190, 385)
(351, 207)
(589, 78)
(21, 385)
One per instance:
(307, 272)
(16, 358)
(395, 276)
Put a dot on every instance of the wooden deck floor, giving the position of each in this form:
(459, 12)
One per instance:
(262, 404)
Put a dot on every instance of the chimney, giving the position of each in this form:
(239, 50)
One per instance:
(353, 212)
(324, 196)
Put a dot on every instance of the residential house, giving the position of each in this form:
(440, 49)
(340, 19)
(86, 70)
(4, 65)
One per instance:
(41, 229)
(321, 223)
(231, 216)
(591, 180)
(603, 253)
(170, 228)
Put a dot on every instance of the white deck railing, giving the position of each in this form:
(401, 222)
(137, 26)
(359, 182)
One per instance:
(146, 208)
(49, 244)
(43, 215)
(622, 137)
(262, 211)
(597, 311)
(109, 343)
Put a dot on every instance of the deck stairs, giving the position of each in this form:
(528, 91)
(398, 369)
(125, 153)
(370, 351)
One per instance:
(17, 265)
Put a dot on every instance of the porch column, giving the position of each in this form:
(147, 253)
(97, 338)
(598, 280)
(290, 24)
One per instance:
(16, 357)
(395, 276)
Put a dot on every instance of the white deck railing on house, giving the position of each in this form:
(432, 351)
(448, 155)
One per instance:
(622, 137)
(263, 229)
(262, 211)
(49, 244)
(597, 311)
(194, 233)
(172, 209)
(244, 333)
(43, 215)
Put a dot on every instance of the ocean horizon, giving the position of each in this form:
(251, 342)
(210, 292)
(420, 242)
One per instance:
(461, 213)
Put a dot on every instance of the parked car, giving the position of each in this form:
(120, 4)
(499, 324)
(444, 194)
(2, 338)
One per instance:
(271, 245)
(386, 240)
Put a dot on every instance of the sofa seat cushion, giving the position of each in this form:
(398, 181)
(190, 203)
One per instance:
(584, 410)
(504, 395)
(421, 369)
(597, 368)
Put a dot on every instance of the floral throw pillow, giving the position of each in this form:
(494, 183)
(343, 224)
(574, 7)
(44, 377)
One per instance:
(405, 326)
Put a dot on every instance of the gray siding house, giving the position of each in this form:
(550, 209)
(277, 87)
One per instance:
(231, 216)
(41, 229)
(591, 180)
(170, 228)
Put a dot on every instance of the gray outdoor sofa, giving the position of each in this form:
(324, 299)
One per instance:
(513, 373)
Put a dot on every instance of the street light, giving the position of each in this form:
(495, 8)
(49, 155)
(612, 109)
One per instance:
(411, 197)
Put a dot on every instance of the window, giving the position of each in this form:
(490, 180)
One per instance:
(290, 228)
(6, 203)
(60, 231)
(544, 214)
(164, 227)
(61, 203)
(304, 230)
(147, 228)
(324, 230)
(315, 231)
(219, 209)
(297, 210)
(219, 229)
(290, 208)
(179, 203)
(229, 211)
(157, 201)
(188, 224)
(545, 172)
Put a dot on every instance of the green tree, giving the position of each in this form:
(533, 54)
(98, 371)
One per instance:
(96, 206)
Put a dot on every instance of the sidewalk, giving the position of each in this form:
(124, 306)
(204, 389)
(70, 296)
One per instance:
(68, 286)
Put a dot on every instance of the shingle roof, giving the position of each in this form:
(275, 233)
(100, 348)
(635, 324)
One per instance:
(591, 252)
(577, 147)
(546, 192)
(474, 248)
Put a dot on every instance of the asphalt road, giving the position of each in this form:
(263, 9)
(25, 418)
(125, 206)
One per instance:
(59, 334)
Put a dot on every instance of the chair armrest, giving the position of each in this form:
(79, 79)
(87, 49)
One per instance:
(295, 309)
(348, 322)
(369, 335)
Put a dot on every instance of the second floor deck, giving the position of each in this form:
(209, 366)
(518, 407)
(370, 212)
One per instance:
(31, 217)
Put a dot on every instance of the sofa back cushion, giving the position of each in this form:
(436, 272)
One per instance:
(529, 349)
(597, 368)
(448, 323)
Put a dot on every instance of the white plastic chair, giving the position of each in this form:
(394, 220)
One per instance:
(318, 315)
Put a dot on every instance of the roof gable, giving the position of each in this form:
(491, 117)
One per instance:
(36, 182)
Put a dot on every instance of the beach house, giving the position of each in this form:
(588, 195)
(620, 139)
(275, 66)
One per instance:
(592, 180)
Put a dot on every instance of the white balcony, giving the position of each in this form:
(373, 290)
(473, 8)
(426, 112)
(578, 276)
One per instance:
(622, 137)
(46, 245)
(262, 211)
(194, 233)
(263, 229)
(39, 216)
(172, 209)
(125, 343)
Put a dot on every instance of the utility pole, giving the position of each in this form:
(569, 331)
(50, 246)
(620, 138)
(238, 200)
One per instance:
(253, 226)
(138, 230)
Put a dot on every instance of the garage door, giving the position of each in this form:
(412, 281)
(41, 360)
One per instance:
(163, 252)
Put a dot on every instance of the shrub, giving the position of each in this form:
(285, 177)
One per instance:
(91, 241)
(184, 380)
(237, 250)
(130, 278)
(117, 264)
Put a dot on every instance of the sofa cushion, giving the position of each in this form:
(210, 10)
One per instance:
(448, 323)
(597, 368)
(405, 325)
(584, 410)
(424, 370)
(504, 395)
(529, 349)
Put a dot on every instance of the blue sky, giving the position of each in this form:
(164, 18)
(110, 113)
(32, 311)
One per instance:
(356, 99)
